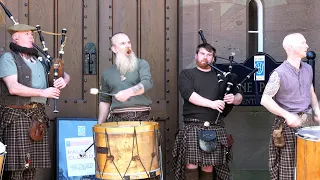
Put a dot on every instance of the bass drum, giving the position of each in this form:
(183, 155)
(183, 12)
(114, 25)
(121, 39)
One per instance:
(127, 150)
(308, 153)
(2, 158)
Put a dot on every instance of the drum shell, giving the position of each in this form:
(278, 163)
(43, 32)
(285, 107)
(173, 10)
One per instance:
(2, 157)
(308, 156)
(117, 141)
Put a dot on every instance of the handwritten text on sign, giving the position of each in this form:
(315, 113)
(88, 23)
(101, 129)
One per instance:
(77, 165)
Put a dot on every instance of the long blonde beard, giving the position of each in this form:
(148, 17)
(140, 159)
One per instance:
(126, 63)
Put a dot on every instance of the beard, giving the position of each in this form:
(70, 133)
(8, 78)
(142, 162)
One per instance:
(20, 49)
(126, 63)
(203, 64)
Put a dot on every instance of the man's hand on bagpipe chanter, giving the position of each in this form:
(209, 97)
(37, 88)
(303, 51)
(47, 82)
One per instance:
(228, 98)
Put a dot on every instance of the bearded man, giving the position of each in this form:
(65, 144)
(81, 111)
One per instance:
(129, 79)
(202, 142)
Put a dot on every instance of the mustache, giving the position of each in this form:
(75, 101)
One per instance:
(128, 50)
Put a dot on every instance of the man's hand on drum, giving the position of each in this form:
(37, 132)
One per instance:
(292, 120)
(123, 95)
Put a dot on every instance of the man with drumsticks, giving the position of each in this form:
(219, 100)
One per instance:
(128, 79)
(24, 92)
(289, 94)
(202, 143)
(124, 85)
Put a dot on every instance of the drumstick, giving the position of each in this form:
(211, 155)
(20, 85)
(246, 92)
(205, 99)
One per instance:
(84, 153)
(96, 91)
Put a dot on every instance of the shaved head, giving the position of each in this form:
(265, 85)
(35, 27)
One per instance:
(116, 37)
(291, 40)
(295, 45)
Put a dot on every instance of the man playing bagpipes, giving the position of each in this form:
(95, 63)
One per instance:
(24, 92)
(202, 142)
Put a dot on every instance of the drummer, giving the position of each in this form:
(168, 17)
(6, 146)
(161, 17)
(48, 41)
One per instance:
(129, 78)
(289, 94)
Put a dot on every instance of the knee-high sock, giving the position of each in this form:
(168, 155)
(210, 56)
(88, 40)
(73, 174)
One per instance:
(206, 175)
(191, 174)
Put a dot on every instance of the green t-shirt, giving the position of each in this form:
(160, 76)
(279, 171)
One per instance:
(8, 67)
(111, 83)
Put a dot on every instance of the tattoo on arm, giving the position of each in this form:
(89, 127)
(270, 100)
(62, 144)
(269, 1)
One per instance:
(273, 85)
(137, 88)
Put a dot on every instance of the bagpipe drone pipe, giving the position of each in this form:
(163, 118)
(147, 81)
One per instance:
(54, 66)
(227, 81)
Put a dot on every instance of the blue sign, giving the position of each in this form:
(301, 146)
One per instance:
(74, 137)
(253, 87)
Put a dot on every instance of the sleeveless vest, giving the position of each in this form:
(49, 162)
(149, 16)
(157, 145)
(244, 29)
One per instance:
(24, 78)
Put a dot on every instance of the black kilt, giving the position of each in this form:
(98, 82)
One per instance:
(186, 150)
(14, 132)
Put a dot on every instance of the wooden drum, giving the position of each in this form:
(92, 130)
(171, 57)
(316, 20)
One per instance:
(2, 158)
(308, 153)
(127, 150)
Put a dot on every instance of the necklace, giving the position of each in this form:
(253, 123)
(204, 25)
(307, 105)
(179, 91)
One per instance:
(122, 77)
(28, 59)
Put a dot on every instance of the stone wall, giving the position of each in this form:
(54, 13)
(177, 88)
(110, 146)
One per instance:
(224, 23)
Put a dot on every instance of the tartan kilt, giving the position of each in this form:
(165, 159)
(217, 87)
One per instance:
(282, 160)
(14, 132)
(186, 151)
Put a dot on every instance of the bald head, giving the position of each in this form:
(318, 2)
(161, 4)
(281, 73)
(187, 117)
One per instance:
(118, 37)
(292, 40)
(295, 45)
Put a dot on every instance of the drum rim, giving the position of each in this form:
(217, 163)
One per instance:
(126, 127)
(316, 139)
(143, 123)
(2, 148)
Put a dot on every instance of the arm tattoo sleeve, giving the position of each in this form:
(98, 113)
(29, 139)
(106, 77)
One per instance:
(137, 88)
(273, 85)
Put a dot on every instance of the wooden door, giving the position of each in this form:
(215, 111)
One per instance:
(153, 30)
(152, 26)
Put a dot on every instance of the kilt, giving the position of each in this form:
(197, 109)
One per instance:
(186, 150)
(14, 132)
(282, 160)
(129, 116)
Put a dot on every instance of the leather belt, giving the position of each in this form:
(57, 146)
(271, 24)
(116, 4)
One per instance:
(131, 113)
(27, 106)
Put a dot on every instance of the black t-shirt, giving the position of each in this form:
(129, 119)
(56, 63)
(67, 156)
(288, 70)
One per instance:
(203, 83)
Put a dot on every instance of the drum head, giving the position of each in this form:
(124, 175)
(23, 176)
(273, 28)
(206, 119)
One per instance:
(312, 133)
(2, 148)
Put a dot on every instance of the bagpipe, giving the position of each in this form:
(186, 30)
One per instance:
(227, 81)
(53, 66)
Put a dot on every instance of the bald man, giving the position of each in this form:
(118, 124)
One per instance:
(129, 79)
(289, 94)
